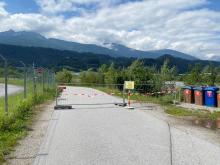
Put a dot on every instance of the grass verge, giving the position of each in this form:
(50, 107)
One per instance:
(166, 102)
(13, 81)
(14, 126)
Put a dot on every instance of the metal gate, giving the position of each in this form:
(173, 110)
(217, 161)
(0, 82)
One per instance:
(72, 95)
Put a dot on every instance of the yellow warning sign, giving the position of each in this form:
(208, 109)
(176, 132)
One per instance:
(129, 84)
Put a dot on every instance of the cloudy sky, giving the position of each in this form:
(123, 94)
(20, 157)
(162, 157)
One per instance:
(190, 26)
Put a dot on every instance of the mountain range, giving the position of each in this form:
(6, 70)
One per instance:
(31, 47)
(32, 39)
(215, 58)
(76, 61)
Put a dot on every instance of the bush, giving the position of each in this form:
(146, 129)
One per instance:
(64, 76)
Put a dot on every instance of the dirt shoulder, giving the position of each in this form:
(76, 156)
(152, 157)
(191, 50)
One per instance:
(190, 143)
(184, 124)
(27, 149)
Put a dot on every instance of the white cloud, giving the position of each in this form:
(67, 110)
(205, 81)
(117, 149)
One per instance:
(3, 12)
(60, 6)
(151, 24)
(30, 22)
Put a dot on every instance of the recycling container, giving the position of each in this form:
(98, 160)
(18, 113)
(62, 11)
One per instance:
(211, 96)
(218, 99)
(188, 94)
(199, 95)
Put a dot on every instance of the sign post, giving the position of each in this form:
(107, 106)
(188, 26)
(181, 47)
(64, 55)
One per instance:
(129, 85)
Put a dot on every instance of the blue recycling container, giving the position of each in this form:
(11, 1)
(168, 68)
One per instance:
(211, 96)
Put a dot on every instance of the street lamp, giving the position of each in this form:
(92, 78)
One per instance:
(25, 79)
(6, 82)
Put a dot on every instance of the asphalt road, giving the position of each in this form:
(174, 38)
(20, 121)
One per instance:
(103, 134)
(11, 89)
(96, 132)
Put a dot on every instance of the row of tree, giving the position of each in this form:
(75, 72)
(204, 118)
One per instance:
(145, 77)
(202, 76)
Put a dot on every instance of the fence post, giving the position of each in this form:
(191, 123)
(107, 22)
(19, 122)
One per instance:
(6, 86)
(43, 78)
(48, 78)
(34, 79)
(25, 79)
(6, 82)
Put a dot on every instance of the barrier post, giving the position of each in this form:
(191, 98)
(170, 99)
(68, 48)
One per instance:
(130, 86)
(129, 97)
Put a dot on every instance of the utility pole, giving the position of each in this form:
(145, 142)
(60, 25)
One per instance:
(6, 82)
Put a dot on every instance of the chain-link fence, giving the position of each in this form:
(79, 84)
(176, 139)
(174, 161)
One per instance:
(21, 83)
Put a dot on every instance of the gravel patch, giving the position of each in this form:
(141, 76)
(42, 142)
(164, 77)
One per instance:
(191, 144)
(28, 148)
(198, 107)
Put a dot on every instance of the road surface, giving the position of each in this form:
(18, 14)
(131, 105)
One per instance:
(96, 132)
(11, 89)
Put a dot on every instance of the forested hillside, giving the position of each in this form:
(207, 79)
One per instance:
(76, 61)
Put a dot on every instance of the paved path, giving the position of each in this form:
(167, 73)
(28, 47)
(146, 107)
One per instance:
(103, 134)
(11, 89)
(97, 132)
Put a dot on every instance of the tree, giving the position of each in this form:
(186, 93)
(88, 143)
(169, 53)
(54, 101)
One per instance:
(111, 75)
(166, 73)
(91, 77)
(103, 68)
(212, 75)
(194, 76)
(142, 76)
(138, 72)
(64, 76)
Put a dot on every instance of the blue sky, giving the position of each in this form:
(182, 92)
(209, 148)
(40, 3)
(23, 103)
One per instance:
(214, 4)
(30, 6)
(190, 26)
(21, 6)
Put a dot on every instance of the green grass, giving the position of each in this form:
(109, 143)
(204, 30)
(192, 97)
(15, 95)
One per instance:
(14, 126)
(166, 102)
(162, 100)
(13, 81)
(177, 111)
